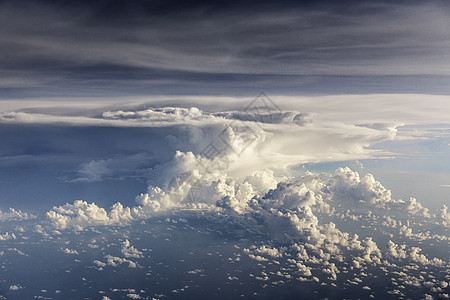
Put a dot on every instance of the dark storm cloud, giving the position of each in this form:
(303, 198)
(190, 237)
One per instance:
(162, 47)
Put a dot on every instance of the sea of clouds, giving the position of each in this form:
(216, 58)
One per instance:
(239, 172)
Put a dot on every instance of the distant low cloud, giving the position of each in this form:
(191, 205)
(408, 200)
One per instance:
(15, 287)
(129, 251)
(14, 214)
(92, 171)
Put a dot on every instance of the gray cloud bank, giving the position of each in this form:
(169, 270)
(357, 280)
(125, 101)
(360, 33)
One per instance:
(137, 47)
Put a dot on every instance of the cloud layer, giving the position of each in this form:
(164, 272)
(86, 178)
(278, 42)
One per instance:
(120, 48)
(233, 178)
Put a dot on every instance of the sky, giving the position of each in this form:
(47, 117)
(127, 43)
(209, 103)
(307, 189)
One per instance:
(224, 149)
(123, 48)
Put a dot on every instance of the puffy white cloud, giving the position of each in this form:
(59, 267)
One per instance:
(332, 270)
(40, 229)
(371, 251)
(288, 207)
(444, 216)
(396, 251)
(411, 206)
(348, 186)
(15, 287)
(15, 215)
(288, 211)
(70, 251)
(290, 196)
(413, 254)
(7, 236)
(99, 263)
(78, 215)
(114, 261)
(257, 257)
(273, 252)
(196, 271)
(81, 214)
(129, 251)
(159, 115)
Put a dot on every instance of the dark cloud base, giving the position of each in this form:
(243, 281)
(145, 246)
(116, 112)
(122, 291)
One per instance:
(128, 48)
(145, 83)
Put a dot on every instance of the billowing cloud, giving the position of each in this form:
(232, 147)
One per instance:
(129, 251)
(254, 135)
(81, 214)
(14, 214)
(237, 173)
